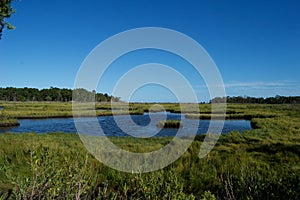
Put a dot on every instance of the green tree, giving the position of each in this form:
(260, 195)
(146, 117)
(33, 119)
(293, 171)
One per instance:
(5, 12)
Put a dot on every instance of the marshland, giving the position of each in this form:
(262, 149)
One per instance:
(57, 56)
(262, 162)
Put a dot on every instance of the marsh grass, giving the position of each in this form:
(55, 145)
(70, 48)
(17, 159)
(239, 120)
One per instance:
(6, 120)
(169, 124)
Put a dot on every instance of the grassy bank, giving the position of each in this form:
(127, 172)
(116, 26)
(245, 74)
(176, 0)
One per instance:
(32, 110)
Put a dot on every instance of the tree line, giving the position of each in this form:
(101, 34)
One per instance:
(66, 95)
(258, 100)
(53, 94)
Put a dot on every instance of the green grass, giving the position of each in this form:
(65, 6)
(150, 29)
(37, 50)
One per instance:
(262, 163)
(23, 110)
(169, 124)
(6, 120)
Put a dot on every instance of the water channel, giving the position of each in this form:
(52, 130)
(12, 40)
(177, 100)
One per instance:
(110, 125)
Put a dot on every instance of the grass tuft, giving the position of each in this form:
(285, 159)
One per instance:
(169, 124)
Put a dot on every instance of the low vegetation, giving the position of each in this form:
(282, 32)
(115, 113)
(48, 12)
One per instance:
(169, 124)
(36, 110)
(7, 121)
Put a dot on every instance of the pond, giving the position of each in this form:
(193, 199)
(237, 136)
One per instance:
(136, 125)
(1, 107)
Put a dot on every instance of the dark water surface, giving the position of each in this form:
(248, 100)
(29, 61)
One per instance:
(136, 125)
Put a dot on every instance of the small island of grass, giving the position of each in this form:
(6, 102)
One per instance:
(169, 124)
(6, 121)
(9, 123)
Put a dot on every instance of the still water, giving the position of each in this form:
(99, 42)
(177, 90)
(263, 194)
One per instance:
(125, 125)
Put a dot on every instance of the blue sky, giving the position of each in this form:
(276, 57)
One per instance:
(255, 44)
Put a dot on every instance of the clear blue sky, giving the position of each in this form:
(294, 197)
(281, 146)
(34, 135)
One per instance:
(255, 44)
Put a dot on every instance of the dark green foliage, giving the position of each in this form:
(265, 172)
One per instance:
(52, 94)
(269, 100)
(5, 12)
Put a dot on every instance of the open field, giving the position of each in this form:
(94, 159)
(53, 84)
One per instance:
(263, 163)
